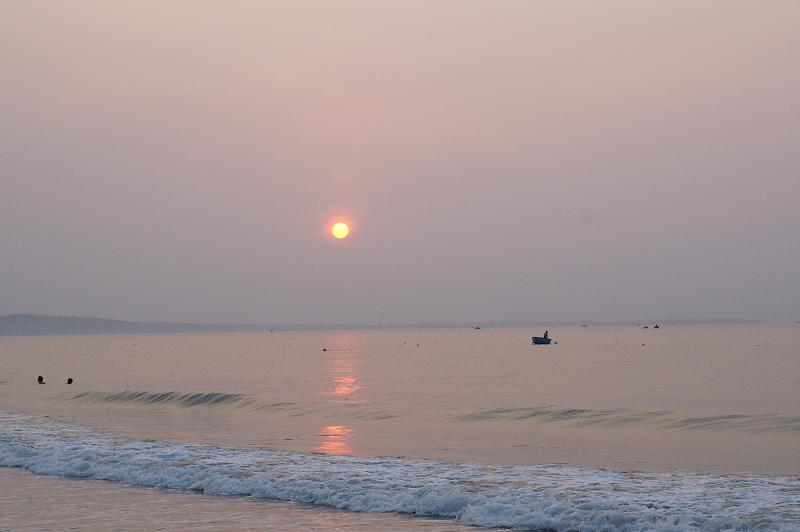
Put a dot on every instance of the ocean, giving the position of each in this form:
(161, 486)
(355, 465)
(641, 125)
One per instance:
(608, 428)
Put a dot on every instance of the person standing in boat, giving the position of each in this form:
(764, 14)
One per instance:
(546, 335)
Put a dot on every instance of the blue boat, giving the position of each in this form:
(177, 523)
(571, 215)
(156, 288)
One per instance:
(541, 340)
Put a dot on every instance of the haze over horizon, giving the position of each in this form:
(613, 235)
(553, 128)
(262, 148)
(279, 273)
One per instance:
(496, 161)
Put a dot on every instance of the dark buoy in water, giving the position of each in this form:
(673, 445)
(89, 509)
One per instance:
(324, 349)
(40, 380)
(69, 380)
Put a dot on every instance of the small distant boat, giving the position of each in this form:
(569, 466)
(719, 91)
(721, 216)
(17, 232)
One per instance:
(541, 340)
(656, 326)
(584, 324)
(477, 327)
(645, 327)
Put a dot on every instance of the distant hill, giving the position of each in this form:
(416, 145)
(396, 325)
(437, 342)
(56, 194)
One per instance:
(40, 324)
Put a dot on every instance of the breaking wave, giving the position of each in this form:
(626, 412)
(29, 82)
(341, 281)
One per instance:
(656, 419)
(161, 398)
(218, 399)
(545, 497)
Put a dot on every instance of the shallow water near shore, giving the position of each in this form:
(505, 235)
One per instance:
(610, 428)
(52, 503)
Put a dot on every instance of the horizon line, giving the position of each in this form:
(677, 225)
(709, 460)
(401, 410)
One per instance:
(397, 325)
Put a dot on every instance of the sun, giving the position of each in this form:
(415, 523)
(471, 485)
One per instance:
(340, 230)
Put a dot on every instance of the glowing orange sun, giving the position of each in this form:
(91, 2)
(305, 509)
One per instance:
(340, 230)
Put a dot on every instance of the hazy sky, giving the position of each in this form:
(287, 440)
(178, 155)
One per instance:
(498, 160)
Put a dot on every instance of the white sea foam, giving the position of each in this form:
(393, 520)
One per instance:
(520, 497)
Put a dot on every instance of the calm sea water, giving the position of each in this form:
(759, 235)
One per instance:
(612, 428)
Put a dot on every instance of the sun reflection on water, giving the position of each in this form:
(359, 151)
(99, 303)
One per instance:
(345, 387)
(335, 440)
(344, 363)
(344, 360)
